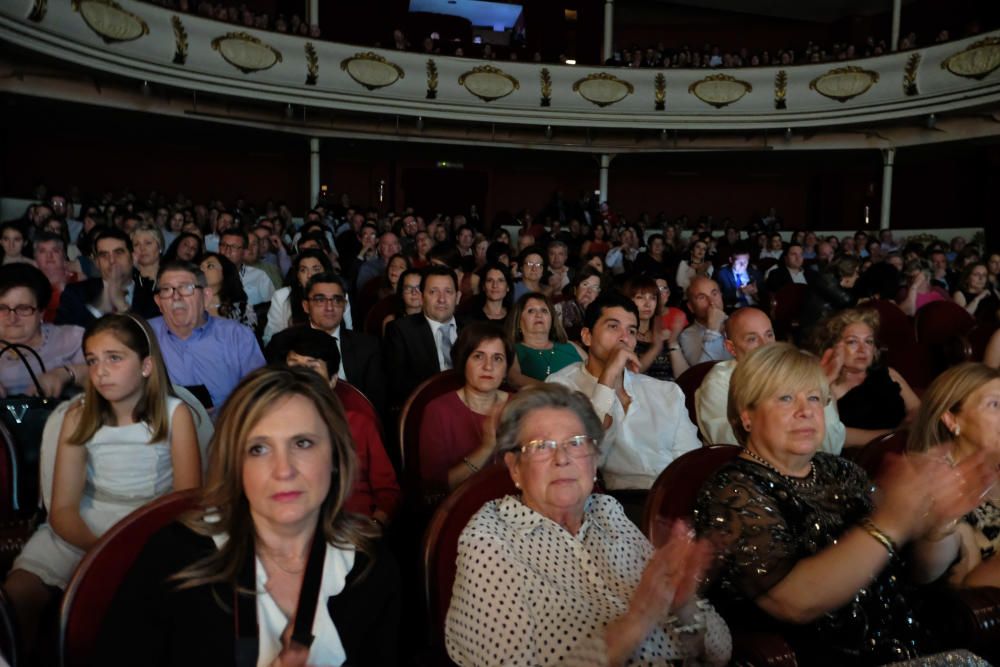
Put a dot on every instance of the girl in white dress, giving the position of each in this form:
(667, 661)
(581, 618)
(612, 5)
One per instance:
(128, 441)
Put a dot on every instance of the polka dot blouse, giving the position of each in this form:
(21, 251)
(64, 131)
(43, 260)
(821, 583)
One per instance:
(527, 592)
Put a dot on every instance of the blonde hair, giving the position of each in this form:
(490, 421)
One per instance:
(768, 371)
(256, 395)
(830, 330)
(152, 229)
(151, 408)
(947, 393)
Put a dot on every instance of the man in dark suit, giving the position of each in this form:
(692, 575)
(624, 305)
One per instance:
(419, 345)
(738, 281)
(789, 270)
(360, 356)
(119, 289)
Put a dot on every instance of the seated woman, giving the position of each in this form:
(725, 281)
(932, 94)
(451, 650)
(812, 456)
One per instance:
(976, 295)
(531, 264)
(696, 264)
(456, 430)
(228, 298)
(540, 343)
(830, 291)
(385, 285)
(127, 442)
(959, 419)
(286, 304)
(409, 300)
(187, 247)
(147, 244)
(805, 550)
(494, 298)
(24, 294)
(14, 248)
(559, 574)
(872, 399)
(587, 285)
(919, 289)
(656, 346)
(242, 580)
(376, 491)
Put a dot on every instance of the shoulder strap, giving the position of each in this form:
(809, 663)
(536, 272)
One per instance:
(21, 349)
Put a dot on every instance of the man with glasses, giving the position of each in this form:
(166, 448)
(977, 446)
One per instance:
(360, 357)
(118, 290)
(259, 288)
(208, 355)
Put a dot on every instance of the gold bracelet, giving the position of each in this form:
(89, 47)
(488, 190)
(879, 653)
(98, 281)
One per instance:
(879, 536)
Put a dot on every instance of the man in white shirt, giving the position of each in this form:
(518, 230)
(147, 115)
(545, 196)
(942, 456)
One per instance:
(256, 284)
(746, 330)
(789, 270)
(646, 423)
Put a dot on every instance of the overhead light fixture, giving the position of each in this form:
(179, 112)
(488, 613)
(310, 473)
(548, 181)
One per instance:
(788, 134)
(570, 62)
(146, 89)
(931, 121)
(289, 111)
(420, 123)
(548, 131)
(663, 135)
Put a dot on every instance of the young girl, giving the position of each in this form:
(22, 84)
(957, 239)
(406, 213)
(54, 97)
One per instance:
(12, 244)
(127, 442)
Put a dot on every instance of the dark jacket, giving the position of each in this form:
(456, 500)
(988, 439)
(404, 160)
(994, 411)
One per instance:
(412, 355)
(151, 623)
(825, 297)
(77, 296)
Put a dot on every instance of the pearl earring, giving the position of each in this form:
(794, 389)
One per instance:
(958, 430)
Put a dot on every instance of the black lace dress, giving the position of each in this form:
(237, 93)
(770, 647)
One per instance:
(764, 524)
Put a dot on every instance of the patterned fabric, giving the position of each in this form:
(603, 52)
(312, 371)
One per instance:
(527, 592)
(764, 525)
(985, 519)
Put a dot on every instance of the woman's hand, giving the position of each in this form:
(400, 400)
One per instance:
(292, 653)
(833, 361)
(52, 383)
(958, 489)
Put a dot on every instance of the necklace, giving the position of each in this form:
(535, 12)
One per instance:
(802, 482)
(465, 399)
(274, 561)
(551, 352)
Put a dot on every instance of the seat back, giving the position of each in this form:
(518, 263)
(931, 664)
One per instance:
(97, 577)
(873, 454)
(412, 416)
(938, 321)
(353, 399)
(786, 309)
(689, 381)
(377, 313)
(674, 492)
(440, 548)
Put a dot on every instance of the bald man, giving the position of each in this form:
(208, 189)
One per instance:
(745, 331)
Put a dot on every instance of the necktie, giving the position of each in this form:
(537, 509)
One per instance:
(741, 295)
(339, 370)
(444, 344)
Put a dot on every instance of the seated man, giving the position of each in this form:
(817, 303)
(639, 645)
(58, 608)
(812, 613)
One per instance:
(376, 492)
(256, 284)
(119, 289)
(702, 340)
(646, 422)
(50, 255)
(746, 330)
(419, 345)
(359, 360)
(208, 355)
(788, 270)
(739, 281)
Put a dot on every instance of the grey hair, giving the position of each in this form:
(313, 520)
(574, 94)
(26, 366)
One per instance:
(548, 395)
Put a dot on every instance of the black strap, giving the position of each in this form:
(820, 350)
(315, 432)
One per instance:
(245, 604)
(309, 593)
(21, 349)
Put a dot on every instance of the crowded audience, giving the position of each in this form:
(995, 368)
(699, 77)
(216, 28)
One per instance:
(556, 353)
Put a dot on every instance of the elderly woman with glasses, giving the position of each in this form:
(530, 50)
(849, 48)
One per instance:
(558, 573)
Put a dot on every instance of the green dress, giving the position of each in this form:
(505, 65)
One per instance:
(539, 364)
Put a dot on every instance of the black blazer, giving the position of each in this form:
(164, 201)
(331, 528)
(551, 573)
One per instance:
(727, 285)
(152, 623)
(77, 296)
(412, 355)
(781, 276)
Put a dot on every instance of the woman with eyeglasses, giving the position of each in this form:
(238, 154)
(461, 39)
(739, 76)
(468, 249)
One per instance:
(24, 294)
(531, 264)
(560, 574)
(587, 285)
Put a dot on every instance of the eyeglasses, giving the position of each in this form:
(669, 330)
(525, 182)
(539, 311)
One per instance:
(411, 289)
(591, 288)
(578, 447)
(533, 265)
(336, 300)
(229, 246)
(167, 291)
(22, 310)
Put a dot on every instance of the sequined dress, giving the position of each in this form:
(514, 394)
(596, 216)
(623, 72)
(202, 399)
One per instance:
(764, 524)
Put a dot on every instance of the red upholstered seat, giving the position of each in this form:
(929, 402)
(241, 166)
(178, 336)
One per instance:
(352, 399)
(381, 310)
(412, 416)
(873, 454)
(98, 575)
(940, 320)
(441, 544)
(786, 308)
(689, 381)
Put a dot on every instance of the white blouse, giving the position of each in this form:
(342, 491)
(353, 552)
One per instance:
(527, 592)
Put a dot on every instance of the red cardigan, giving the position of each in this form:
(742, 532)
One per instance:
(376, 486)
